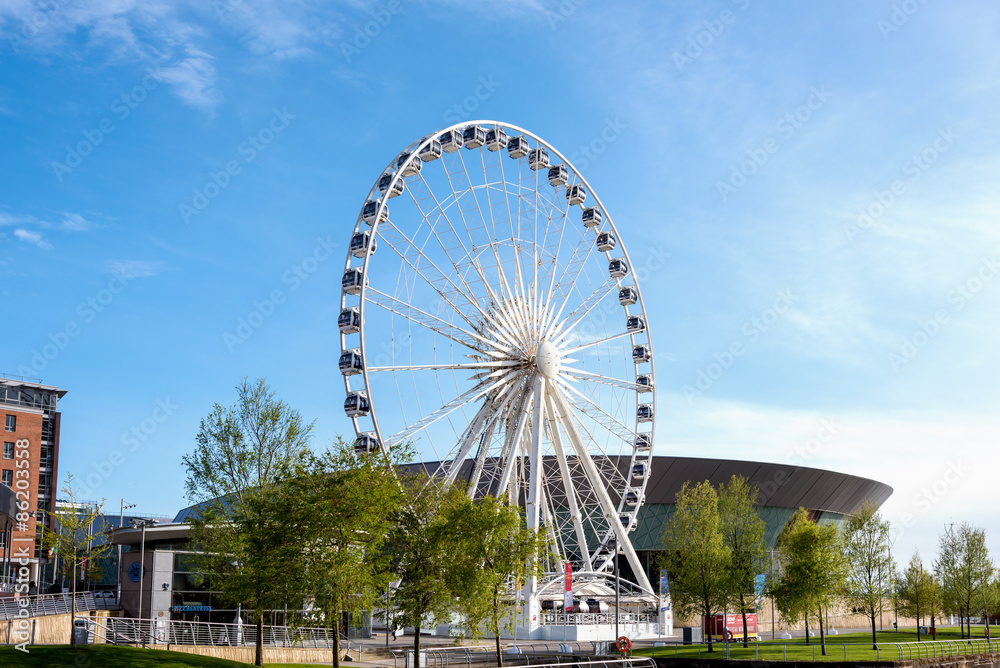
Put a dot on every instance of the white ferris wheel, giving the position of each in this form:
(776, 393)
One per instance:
(492, 319)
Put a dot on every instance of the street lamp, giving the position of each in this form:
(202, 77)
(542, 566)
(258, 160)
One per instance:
(121, 523)
(142, 524)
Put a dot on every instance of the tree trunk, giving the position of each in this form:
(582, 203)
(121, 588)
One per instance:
(918, 627)
(708, 624)
(259, 652)
(743, 609)
(336, 643)
(875, 636)
(805, 617)
(822, 637)
(496, 630)
(416, 647)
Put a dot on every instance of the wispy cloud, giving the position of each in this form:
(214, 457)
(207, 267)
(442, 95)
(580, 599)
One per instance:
(194, 80)
(74, 222)
(33, 238)
(135, 268)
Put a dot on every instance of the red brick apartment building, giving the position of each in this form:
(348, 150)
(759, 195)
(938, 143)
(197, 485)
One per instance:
(29, 461)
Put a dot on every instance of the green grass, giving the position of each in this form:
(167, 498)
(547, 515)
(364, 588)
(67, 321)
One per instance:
(106, 656)
(856, 645)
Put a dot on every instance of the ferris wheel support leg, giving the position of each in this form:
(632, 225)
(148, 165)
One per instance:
(574, 508)
(602, 494)
(535, 461)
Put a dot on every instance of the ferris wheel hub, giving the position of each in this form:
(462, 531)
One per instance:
(547, 359)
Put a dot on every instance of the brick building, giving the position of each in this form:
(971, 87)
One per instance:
(30, 459)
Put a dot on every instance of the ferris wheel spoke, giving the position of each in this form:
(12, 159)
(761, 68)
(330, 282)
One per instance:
(451, 468)
(596, 342)
(601, 492)
(567, 481)
(585, 405)
(484, 447)
(587, 376)
(512, 442)
(535, 454)
(413, 314)
(580, 312)
(444, 367)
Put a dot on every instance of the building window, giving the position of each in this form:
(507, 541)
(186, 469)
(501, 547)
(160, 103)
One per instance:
(10, 423)
(8, 477)
(8, 450)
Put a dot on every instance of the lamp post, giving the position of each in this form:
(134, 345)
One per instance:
(141, 524)
(121, 523)
(618, 588)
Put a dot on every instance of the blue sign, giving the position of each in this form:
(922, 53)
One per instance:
(191, 608)
(135, 571)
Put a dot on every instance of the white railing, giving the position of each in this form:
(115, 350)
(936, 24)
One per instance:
(53, 604)
(596, 618)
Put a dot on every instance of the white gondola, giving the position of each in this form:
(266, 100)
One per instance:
(643, 442)
(451, 141)
(558, 175)
(640, 354)
(365, 443)
(370, 210)
(474, 136)
(632, 497)
(638, 470)
(644, 413)
(430, 152)
(592, 216)
(626, 520)
(385, 182)
(352, 281)
(517, 147)
(617, 268)
(496, 139)
(356, 404)
(359, 244)
(635, 323)
(413, 168)
(350, 362)
(576, 194)
(627, 296)
(644, 383)
(605, 242)
(538, 158)
(349, 321)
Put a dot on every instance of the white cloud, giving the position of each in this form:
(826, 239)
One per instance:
(135, 268)
(32, 238)
(194, 80)
(74, 222)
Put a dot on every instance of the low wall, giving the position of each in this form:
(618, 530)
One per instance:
(975, 661)
(271, 654)
(47, 630)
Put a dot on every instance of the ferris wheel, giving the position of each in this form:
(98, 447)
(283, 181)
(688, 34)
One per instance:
(492, 320)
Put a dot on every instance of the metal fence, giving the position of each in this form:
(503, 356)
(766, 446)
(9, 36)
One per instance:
(568, 653)
(892, 651)
(53, 604)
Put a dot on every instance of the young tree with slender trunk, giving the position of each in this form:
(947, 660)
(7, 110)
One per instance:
(869, 565)
(919, 593)
(965, 569)
(242, 452)
(743, 534)
(79, 527)
(695, 555)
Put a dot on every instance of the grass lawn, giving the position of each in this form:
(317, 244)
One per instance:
(105, 656)
(851, 646)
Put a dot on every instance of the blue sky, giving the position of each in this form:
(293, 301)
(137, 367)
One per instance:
(839, 162)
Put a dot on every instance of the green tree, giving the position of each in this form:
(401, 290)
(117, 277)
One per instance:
(790, 596)
(500, 553)
(75, 540)
(743, 535)
(334, 515)
(869, 565)
(421, 545)
(813, 559)
(695, 556)
(965, 570)
(242, 452)
(918, 591)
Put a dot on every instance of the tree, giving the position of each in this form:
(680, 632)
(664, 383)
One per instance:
(421, 544)
(919, 593)
(790, 596)
(336, 512)
(965, 570)
(74, 540)
(869, 565)
(501, 553)
(743, 535)
(242, 452)
(695, 555)
(813, 559)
